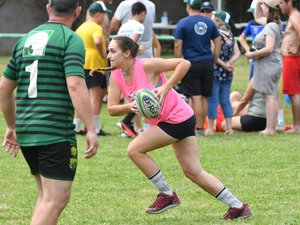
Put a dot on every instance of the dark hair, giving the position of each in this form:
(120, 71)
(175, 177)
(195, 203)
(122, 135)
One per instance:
(127, 44)
(295, 3)
(137, 8)
(274, 15)
(63, 7)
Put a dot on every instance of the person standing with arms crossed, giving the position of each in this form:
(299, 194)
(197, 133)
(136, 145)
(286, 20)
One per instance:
(193, 37)
(46, 68)
(290, 50)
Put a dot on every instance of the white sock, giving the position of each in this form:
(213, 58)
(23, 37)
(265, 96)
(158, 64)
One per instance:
(280, 117)
(96, 122)
(228, 198)
(161, 183)
(77, 123)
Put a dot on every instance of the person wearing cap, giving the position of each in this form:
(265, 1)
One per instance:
(223, 74)
(252, 29)
(207, 9)
(47, 68)
(93, 37)
(106, 21)
(290, 50)
(267, 60)
(193, 36)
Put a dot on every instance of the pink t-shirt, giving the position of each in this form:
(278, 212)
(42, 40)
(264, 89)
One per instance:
(174, 110)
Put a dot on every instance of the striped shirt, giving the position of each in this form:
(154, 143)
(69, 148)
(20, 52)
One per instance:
(40, 63)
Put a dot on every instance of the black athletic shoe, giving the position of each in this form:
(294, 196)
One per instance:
(102, 133)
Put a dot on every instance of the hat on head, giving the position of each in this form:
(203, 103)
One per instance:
(223, 16)
(195, 4)
(98, 6)
(64, 6)
(271, 3)
(207, 5)
(252, 6)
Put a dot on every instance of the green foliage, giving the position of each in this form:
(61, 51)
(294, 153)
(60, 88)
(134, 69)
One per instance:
(110, 190)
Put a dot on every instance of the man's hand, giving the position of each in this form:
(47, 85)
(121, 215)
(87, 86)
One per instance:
(92, 145)
(10, 142)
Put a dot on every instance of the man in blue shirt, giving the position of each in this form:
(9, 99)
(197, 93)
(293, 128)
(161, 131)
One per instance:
(193, 36)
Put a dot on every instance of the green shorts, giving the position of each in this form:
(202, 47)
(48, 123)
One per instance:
(56, 161)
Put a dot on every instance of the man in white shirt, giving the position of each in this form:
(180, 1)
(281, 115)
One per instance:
(123, 14)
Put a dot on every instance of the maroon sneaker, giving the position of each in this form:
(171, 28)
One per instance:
(238, 213)
(163, 202)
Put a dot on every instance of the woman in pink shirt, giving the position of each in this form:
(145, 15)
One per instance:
(174, 126)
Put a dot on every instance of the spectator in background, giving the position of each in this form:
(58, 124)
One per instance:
(52, 56)
(290, 49)
(249, 111)
(121, 16)
(252, 29)
(93, 37)
(193, 36)
(267, 60)
(105, 23)
(207, 9)
(134, 27)
(223, 74)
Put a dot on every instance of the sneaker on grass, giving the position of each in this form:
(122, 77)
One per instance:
(163, 202)
(128, 129)
(238, 213)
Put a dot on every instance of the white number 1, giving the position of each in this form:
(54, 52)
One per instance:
(33, 69)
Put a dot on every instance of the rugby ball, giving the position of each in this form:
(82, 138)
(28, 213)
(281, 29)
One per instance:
(147, 103)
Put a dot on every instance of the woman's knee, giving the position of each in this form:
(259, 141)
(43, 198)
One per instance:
(193, 172)
(132, 149)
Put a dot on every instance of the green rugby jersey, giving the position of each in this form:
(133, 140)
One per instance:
(40, 63)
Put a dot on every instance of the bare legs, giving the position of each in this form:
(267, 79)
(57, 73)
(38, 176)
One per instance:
(185, 150)
(271, 102)
(200, 107)
(53, 196)
(296, 112)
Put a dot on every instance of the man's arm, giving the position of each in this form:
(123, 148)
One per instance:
(7, 103)
(243, 42)
(178, 48)
(81, 101)
(114, 25)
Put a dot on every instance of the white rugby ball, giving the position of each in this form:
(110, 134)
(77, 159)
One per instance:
(147, 103)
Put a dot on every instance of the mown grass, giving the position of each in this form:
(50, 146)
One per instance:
(110, 190)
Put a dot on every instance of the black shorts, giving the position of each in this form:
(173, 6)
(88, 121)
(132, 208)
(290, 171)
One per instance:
(56, 161)
(180, 130)
(98, 79)
(253, 123)
(198, 80)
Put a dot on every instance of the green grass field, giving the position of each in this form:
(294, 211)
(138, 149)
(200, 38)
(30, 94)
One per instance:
(110, 190)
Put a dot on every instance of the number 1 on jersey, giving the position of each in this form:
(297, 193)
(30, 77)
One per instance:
(33, 69)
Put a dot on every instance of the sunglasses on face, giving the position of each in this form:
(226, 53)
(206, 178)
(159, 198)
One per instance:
(206, 11)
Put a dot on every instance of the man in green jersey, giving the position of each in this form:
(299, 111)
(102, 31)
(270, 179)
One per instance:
(46, 69)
